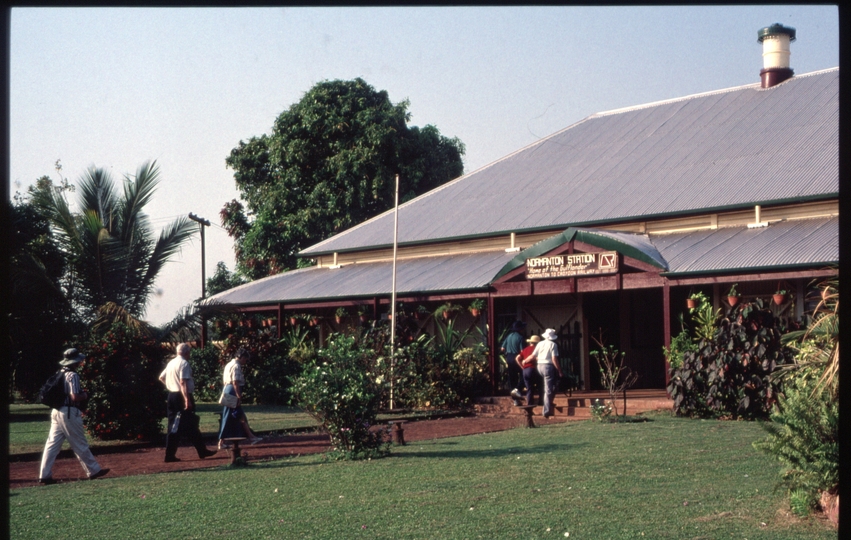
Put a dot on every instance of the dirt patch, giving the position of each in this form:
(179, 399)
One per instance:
(23, 472)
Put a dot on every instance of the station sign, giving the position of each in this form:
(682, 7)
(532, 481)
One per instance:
(577, 264)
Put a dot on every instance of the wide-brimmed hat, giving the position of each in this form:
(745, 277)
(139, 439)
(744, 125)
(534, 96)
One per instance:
(534, 339)
(71, 356)
(550, 334)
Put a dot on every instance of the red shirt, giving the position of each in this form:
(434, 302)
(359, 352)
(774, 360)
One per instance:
(526, 352)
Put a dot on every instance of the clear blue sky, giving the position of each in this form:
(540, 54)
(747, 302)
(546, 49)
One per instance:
(113, 87)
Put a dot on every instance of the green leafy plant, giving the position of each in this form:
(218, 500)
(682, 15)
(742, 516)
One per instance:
(339, 390)
(804, 436)
(730, 374)
(733, 291)
(804, 432)
(680, 343)
(341, 312)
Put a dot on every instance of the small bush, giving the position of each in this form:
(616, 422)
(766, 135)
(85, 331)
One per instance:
(207, 368)
(126, 398)
(340, 391)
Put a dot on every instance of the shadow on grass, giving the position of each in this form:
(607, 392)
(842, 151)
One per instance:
(491, 453)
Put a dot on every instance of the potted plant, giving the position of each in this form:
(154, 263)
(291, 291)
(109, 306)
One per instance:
(339, 314)
(362, 313)
(313, 320)
(779, 296)
(693, 300)
(733, 295)
(447, 310)
(294, 319)
(421, 312)
(476, 306)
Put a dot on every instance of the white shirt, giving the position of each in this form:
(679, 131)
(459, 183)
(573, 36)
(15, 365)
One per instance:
(545, 350)
(233, 372)
(178, 368)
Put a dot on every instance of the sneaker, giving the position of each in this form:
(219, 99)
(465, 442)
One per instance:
(172, 459)
(46, 481)
(515, 394)
(98, 474)
(223, 445)
(256, 440)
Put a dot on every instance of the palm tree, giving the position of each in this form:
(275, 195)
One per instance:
(113, 258)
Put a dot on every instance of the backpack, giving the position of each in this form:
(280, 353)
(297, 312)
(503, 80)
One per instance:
(52, 392)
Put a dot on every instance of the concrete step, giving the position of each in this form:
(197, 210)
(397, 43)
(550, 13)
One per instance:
(576, 406)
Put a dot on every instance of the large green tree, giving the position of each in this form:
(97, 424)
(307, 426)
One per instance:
(329, 164)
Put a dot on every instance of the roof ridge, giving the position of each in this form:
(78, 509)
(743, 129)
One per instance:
(704, 94)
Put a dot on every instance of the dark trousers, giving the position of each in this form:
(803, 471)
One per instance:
(530, 375)
(187, 427)
(515, 374)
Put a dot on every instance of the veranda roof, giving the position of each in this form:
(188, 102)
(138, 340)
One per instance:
(810, 243)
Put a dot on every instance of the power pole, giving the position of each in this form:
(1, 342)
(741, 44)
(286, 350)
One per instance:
(202, 223)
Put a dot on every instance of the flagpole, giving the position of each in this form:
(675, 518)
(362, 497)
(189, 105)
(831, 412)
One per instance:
(393, 292)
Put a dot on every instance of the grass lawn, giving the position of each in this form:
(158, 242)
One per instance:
(668, 478)
(29, 423)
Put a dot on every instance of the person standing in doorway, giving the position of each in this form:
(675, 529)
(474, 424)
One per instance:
(546, 356)
(511, 347)
(66, 422)
(177, 377)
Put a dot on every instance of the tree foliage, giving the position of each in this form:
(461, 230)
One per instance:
(112, 256)
(330, 163)
(40, 318)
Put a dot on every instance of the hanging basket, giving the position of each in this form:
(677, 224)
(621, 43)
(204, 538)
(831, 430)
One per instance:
(691, 303)
(338, 319)
(779, 298)
(733, 300)
(475, 312)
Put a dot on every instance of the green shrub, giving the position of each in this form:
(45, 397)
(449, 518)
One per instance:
(804, 436)
(207, 365)
(339, 389)
(268, 371)
(121, 376)
(730, 374)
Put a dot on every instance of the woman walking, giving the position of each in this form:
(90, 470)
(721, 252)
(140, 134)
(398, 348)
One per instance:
(234, 422)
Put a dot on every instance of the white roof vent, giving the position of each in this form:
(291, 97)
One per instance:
(775, 41)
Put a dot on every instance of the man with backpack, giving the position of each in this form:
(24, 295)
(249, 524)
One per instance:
(66, 420)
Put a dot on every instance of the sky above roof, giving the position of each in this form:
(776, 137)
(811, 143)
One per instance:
(114, 87)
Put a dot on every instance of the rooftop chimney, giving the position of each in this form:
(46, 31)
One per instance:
(775, 41)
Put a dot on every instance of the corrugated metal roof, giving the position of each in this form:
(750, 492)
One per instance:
(804, 242)
(424, 275)
(798, 243)
(730, 148)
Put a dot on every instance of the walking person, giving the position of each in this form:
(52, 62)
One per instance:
(546, 356)
(177, 377)
(67, 423)
(234, 421)
(511, 347)
(530, 371)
